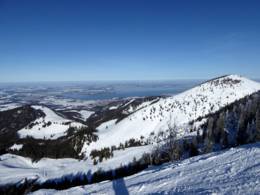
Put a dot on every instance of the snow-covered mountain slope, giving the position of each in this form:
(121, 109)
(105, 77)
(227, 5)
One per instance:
(14, 168)
(234, 171)
(85, 114)
(51, 126)
(197, 102)
(132, 109)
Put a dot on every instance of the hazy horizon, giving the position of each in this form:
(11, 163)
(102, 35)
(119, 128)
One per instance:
(114, 81)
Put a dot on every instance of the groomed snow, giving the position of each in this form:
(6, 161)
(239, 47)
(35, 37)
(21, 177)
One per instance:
(180, 109)
(57, 128)
(234, 171)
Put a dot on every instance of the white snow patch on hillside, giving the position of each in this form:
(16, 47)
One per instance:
(106, 125)
(113, 107)
(234, 171)
(56, 129)
(85, 114)
(16, 147)
(14, 168)
(179, 109)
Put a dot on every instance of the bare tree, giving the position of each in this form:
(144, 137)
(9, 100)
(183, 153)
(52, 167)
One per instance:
(167, 146)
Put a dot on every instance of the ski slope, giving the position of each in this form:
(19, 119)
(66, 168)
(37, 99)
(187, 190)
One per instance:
(180, 109)
(234, 171)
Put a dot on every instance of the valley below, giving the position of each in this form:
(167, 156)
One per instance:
(136, 138)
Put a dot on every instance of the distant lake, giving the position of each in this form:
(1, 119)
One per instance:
(96, 90)
(132, 89)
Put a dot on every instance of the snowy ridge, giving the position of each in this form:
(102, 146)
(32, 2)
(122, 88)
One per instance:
(131, 109)
(52, 126)
(197, 102)
(234, 171)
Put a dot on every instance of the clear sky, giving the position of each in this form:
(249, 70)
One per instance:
(77, 40)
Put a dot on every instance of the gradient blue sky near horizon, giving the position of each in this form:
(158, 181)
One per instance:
(76, 40)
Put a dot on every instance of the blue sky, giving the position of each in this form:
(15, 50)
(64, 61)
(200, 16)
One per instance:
(77, 40)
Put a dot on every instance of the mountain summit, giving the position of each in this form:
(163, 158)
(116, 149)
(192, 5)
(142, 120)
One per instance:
(179, 110)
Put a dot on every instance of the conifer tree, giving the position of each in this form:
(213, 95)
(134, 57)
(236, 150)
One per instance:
(241, 136)
(251, 132)
(231, 127)
(220, 131)
(258, 124)
(209, 142)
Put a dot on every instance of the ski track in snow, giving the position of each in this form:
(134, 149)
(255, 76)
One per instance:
(234, 171)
